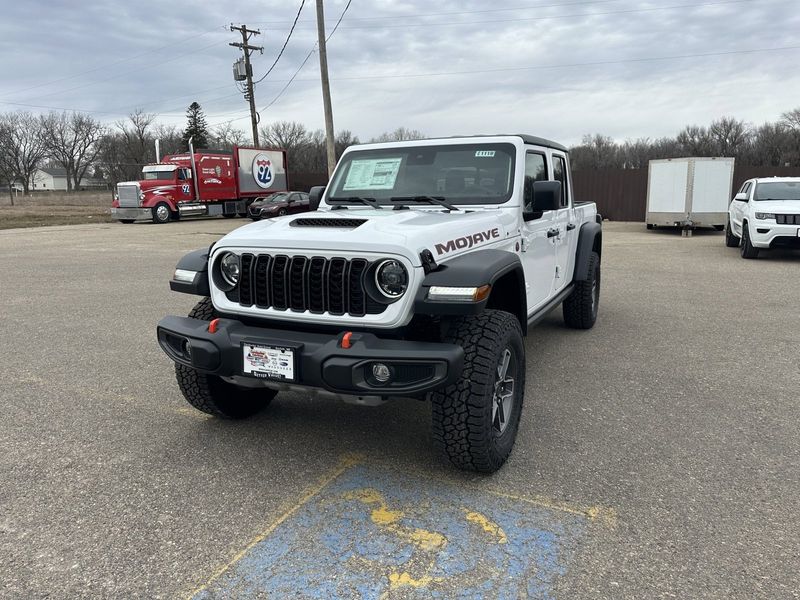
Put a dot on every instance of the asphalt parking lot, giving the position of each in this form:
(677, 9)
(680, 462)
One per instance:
(658, 455)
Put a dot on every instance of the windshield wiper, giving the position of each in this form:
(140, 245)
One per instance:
(428, 199)
(351, 199)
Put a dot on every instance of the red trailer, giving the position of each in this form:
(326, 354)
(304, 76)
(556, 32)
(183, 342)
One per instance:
(201, 184)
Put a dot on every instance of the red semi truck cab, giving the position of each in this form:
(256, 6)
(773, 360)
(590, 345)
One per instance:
(201, 184)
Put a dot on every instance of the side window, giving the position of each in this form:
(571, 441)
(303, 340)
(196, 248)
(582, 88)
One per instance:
(747, 186)
(560, 174)
(535, 170)
(182, 174)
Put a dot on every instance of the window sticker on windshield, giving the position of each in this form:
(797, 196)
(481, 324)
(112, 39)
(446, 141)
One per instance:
(372, 174)
(484, 154)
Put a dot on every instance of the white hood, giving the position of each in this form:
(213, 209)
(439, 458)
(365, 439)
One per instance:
(402, 232)
(782, 207)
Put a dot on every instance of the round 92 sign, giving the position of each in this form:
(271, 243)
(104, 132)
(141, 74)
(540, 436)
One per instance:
(262, 171)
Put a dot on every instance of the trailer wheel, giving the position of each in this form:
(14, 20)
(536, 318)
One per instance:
(126, 221)
(651, 226)
(213, 395)
(229, 215)
(731, 241)
(747, 249)
(475, 420)
(161, 213)
(719, 227)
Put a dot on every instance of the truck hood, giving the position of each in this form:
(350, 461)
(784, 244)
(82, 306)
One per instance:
(403, 232)
(777, 206)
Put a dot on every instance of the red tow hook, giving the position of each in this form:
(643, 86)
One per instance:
(346, 343)
(213, 326)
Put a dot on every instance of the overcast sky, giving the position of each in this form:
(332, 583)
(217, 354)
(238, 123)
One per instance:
(556, 68)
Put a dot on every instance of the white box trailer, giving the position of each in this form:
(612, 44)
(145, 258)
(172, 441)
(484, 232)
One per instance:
(689, 192)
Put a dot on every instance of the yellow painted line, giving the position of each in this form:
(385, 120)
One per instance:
(345, 463)
(602, 515)
(487, 525)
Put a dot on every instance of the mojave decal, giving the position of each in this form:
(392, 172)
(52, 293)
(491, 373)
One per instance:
(468, 241)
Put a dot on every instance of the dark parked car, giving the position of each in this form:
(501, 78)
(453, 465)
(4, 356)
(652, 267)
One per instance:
(279, 204)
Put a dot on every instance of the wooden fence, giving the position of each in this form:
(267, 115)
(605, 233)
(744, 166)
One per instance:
(621, 194)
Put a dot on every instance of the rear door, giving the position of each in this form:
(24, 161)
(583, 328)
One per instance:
(538, 240)
(566, 240)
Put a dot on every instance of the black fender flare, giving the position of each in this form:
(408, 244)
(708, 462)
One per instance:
(590, 238)
(475, 269)
(196, 261)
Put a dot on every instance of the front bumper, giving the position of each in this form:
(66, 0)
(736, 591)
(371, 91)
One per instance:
(767, 234)
(131, 213)
(320, 359)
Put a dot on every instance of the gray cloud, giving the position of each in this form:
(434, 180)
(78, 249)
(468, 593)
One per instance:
(556, 68)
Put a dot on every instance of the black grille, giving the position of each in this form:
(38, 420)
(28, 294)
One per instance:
(300, 283)
(311, 222)
(788, 219)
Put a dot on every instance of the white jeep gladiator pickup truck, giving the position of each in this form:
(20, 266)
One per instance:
(417, 275)
(764, 214)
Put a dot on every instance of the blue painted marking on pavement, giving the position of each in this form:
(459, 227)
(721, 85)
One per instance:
(372, 533)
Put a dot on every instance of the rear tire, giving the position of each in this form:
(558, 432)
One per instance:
(731, 241)
(161, 213)
(747, 249)
(581, 306)
(475, 420)
(213, 395)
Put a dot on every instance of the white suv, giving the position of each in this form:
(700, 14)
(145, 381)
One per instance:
(764, 214)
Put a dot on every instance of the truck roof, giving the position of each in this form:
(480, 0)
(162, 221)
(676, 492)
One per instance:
(528, 139)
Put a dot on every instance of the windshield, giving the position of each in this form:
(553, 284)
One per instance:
(160, 175)
(783, 190)
(277, 198)
(458, 174)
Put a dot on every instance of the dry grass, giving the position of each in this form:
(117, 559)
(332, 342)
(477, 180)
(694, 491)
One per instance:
(55, 209)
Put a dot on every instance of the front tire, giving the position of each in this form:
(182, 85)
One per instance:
(475, 420)
(580, 307)
(213, 395)
(161, 213)
(747, 249)
(731, 241)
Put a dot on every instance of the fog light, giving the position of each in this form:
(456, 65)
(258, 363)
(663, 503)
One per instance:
(381, 372)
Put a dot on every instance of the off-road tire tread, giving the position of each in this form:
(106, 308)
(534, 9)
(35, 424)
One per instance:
(459, 411)
(577, 307)
(212, 395)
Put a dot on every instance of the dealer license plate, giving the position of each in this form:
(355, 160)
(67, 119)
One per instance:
(268, 362)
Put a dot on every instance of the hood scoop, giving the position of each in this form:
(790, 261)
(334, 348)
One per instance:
(316, 222)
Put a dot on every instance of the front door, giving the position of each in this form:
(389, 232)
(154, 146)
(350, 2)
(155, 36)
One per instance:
(538, 239)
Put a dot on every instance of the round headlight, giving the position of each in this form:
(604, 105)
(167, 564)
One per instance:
(391, 278)
(229, 268)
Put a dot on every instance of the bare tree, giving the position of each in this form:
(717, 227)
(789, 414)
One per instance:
(6, 169)
(696, 141)
(729, 136)
(226, 136)
(791, 120)
(170, 139)
(400, 134)
(284, 134)
(24, 147)
(72, 141)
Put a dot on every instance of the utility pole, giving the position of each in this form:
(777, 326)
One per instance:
(247, 49)
(330, 142)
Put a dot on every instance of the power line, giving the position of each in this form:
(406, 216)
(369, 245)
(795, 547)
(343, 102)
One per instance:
(288, 37)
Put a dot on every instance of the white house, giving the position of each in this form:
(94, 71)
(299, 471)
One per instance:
(55, 178)
(49, 178)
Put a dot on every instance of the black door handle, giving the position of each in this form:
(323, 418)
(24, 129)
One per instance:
(551, 233)
(571, 226)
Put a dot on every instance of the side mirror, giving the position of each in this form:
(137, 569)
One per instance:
(740, 198)
(315, 196)
(544, 196)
